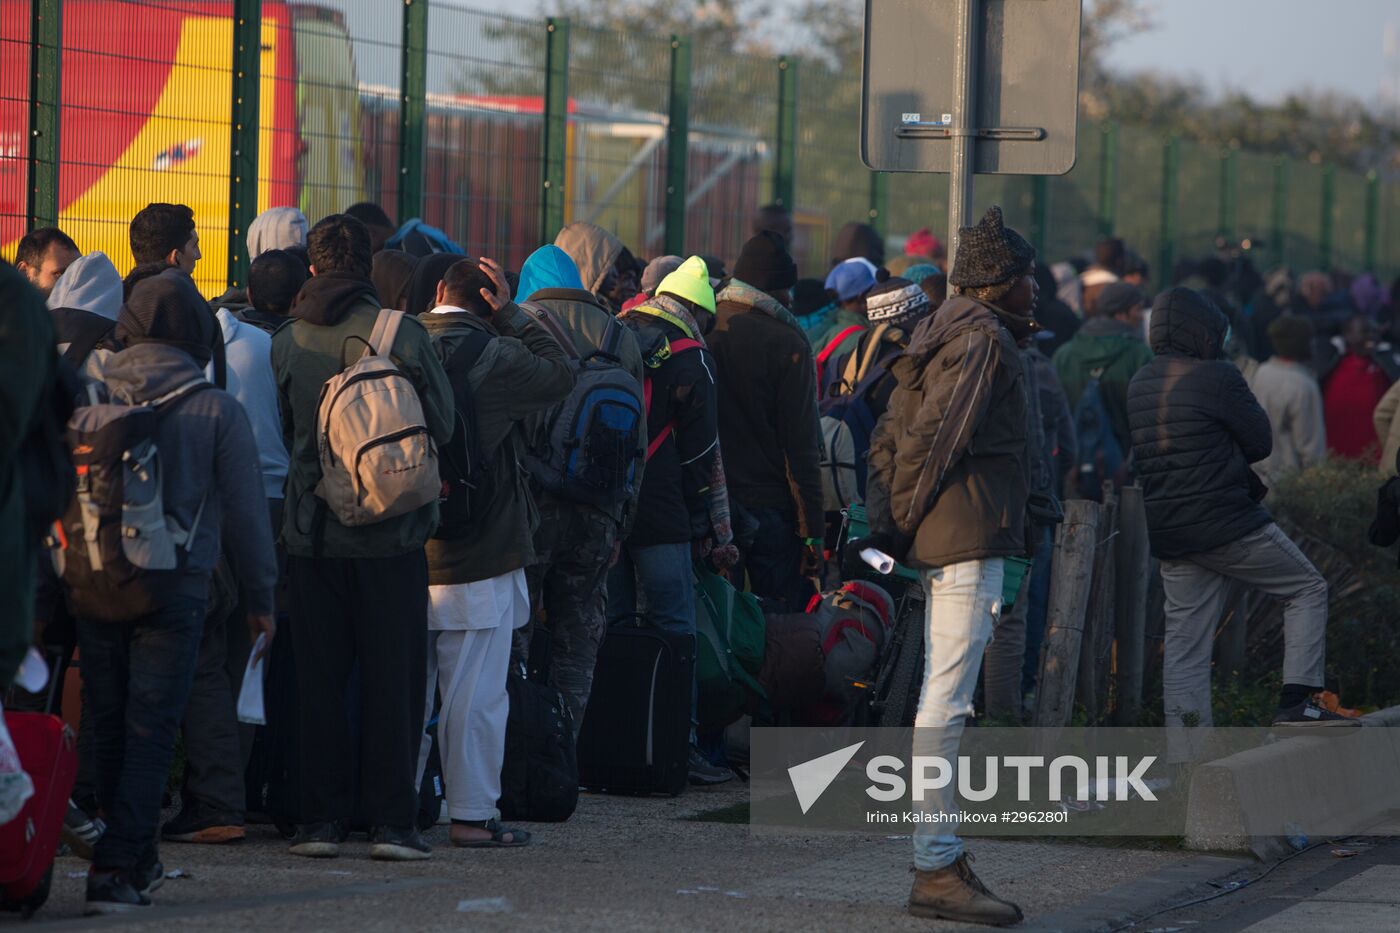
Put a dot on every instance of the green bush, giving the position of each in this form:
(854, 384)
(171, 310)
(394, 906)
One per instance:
(1328, 510)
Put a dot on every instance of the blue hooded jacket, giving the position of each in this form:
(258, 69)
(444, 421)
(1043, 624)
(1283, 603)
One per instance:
(547, 267)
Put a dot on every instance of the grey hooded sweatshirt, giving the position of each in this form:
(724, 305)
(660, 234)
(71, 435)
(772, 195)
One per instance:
(91, 283)
(206, 449)
(593, 249)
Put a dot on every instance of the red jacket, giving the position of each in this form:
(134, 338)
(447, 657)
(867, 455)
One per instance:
(1350, 396)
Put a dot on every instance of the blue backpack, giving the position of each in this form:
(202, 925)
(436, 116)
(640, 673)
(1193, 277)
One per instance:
(1100, 454)
(419, 239)
(593, 435)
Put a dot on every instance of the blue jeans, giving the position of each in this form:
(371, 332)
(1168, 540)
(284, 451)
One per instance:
(663, 574)
(774, 561)
(136, 679)
(963, 603)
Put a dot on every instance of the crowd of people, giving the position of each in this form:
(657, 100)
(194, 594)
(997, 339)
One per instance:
(357, 462)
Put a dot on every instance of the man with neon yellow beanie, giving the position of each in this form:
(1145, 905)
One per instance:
(675, 521)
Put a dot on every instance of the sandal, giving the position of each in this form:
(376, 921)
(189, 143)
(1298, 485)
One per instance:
(499, 834)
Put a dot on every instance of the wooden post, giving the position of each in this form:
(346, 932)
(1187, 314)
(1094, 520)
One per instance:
(1134, 569)
(1098, 621)
(1075, 542)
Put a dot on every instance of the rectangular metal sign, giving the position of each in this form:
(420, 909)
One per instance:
(1026, 85)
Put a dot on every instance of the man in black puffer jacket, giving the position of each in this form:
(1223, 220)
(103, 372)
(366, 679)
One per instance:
(1196, 428)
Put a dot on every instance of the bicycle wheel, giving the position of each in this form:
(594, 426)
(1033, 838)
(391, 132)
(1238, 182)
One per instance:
(906, 678)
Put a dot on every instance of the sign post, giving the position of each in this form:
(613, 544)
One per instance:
(968, 86)
(964, 128)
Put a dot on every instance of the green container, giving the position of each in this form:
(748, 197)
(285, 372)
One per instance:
(1015, 571)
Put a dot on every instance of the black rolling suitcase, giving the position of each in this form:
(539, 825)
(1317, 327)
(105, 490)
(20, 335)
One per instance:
(636, 729)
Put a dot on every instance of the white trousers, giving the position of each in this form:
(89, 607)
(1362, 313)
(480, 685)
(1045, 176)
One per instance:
(468, 665)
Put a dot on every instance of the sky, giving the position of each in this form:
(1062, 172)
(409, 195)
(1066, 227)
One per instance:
(1269, 48)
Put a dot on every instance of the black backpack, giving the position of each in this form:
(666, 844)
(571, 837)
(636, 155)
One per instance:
(461, 462)
(539, 774)
(122, 555)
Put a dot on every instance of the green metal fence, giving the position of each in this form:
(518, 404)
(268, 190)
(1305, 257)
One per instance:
(499, 129)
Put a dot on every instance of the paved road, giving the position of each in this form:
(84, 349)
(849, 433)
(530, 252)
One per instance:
(628, 864)
(1315, 892)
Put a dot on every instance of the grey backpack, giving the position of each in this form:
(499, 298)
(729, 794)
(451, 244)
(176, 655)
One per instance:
(377, 457)
(122, 556)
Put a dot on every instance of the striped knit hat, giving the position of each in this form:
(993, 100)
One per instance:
(895, 301)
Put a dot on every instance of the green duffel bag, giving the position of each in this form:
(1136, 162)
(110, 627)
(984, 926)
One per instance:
(730, 632)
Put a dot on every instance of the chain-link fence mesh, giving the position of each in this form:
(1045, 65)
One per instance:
(146, 86)
(833, 186)
(733, 142)
(485, 119)
(1141, 155)
(1349, 220)
(14, 122)
(344, 87)
(619, 95)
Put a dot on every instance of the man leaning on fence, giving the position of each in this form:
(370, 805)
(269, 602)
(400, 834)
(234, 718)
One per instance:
(1196, 429)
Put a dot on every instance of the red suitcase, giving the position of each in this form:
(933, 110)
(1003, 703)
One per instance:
(49, 755)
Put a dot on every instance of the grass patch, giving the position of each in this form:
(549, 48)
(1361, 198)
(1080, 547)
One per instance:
(734, 813)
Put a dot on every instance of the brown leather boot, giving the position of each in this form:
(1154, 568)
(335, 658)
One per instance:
(955, 893)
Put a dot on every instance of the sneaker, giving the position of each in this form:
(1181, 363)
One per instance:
(318, 840)
(81, 831)
(1333, 703)
(956, 893)
(149, 874)
(112, 892)
(1311, 713)
(702, 772)
(398, 845)
(187, 827)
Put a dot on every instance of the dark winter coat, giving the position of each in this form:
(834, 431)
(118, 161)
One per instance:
(333, 317)
(674, 507)
(1196, 428)
(27, 364)
(948, 461)
(209, 462)
(522, 371)
(768, 425)
(1108, 347)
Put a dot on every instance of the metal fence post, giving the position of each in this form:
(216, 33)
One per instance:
(1373, 216)
(1279, 213)
(1229, 171)
(556, 127)
(677, 145)
(413, 105)
(785, 162)
(243, 134)
(1324, 232)
(1170, 160)
(1108, 178)
(1040, 214)
(45, 58)
(879, 202)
